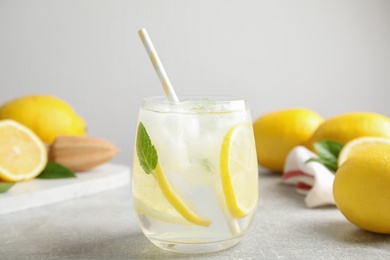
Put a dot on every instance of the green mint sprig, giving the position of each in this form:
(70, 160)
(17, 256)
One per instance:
(146, 151)
(328, 153)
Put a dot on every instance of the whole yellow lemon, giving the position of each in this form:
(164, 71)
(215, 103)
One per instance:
(346, 127)
(361, 188)
(276, 133)
(47, 116)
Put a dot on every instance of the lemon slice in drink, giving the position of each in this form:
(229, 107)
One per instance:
(153, 189)
(238, 163)
(157, 198)
(177, 201)
(22, 154)
(149, 199)
(356, 145)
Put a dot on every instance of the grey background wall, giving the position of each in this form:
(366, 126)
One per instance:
(329, 56)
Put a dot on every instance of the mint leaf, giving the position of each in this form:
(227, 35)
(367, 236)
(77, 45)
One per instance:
(328, 152)
(146, 152)
(328, 149)
(55, 171)
(4, 186)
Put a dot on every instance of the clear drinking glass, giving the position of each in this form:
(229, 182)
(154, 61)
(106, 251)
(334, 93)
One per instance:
(195, 184)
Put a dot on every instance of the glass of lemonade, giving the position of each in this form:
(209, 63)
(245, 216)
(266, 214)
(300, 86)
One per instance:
(195, 175)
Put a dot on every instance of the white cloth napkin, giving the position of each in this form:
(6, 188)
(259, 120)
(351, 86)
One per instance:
(311, 179)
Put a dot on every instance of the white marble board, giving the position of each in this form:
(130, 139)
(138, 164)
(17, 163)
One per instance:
(39, 192)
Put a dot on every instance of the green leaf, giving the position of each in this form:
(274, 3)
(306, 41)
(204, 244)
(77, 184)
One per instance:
(331, 165)
(5, 186)
(328, 149)
(55, 171)
(328, 152)
(146, 152)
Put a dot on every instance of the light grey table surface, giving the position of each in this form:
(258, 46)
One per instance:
(103, 226)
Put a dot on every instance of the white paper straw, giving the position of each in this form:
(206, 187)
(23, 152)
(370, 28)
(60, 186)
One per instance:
(162, 75)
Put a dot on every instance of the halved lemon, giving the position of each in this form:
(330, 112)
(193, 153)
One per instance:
(239, 171)
(23, 155)
(356, 145)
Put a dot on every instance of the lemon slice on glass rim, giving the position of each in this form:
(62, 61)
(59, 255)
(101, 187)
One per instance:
(239, 171)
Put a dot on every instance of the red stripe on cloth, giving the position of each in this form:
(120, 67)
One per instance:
(303, 186)
(294, 173)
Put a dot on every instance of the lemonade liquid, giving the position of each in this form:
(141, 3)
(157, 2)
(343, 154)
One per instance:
(181, 205)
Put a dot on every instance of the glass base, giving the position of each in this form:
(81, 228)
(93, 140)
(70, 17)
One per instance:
(194, 248)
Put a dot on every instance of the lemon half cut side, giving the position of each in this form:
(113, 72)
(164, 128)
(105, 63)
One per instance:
(238, 165)
(23, 155)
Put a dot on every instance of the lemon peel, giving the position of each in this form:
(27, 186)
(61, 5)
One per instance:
(47, 116)
(361, 188)
(277, 132)
(356, 145)
(346, 127)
